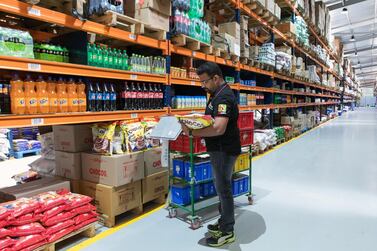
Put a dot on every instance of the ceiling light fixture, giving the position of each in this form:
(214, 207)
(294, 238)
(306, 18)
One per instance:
(345, 11)
(352, 38)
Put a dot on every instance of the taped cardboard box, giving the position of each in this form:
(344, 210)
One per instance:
(73, 138)
(152, 18)
(68, 165)
(116, 170)
(152, 162)
(155, 186)
(33, 188)
(232, 28)
(112, 201)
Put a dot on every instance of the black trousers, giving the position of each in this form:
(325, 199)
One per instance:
(222, 168)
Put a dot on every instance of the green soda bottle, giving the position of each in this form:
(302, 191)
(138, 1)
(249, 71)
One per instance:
(100, 55)
(115, 59)
(111, 58)
(106, 57)
(94, 55)
(120, 59)
(89, 50)
(125, 61)
(65, 55)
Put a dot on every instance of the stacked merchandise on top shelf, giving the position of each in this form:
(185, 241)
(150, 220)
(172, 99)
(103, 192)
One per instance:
(302, 35)
(229, 37)
(283, 59)
(16, 43)
(267, 54)
(4, 144)
(313, 76)
(25, 139)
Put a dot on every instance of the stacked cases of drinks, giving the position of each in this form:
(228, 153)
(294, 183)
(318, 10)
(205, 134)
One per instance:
(49, 95)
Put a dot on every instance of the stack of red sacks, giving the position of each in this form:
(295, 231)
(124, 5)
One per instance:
(28, 223)
(287, 129)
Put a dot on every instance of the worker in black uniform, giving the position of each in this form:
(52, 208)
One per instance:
(223, 145)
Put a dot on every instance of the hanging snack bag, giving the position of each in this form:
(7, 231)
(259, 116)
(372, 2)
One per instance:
(149, 125)
(196, 121)
(103, 135)
(134, 131)
(118, 141)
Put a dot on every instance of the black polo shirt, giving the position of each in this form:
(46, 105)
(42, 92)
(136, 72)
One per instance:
(224, 103)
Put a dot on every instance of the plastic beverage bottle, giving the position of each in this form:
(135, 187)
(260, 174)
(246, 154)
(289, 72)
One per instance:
(91, 97)
(30, 96)
(43, 103)
(100, 56)
(133, 97)
(125, 61)
(113, 98)
(81, 96)
(52, 95)
(106, 98)
(90, 53)
(126, 98)
(120, 60)
(115, 58)
(61, 91)
(145, 100)
(94, 50)
(111, 58)
(160, 97)
(17, 95)
(6, 99)
(99, 98)
(73, 100)
(106, 57)
(151, 97)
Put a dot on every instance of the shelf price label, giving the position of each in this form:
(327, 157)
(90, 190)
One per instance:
(133, 77)
(134, 115)
(33, 11)
(194, 53)
(37, 122)
(33, 67)
(193, 83)
(132, 36)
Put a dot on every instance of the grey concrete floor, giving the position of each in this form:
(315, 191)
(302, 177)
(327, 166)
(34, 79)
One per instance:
(318, 192)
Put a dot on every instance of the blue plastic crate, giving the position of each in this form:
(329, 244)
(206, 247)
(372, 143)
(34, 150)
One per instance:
(240, 184)
(179, 168)
(207, 170)
(207, 189)
(200, 171)
(236, 187)
(181, 194)
(246, 184)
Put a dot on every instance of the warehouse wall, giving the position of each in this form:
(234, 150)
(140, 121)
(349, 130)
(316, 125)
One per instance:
(367, 99)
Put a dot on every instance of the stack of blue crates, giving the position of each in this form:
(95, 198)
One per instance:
(240, 184)
(202, 169)
(207, 189)
(181, 194)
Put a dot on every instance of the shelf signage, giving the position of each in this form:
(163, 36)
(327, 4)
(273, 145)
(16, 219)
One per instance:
(33, 67)
(37, 122)
(33, 11)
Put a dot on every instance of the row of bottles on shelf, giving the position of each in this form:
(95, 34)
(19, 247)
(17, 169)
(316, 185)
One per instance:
(51, 52)
(103, 56)
(251, 99)
(194, 8)
(51, 96)
(176, 72)
(189, 102)
(141, 96)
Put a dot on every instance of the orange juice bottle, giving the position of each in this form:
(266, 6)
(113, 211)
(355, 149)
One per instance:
(43, 105)
(81, 95)
(52, 96)
(17, 95)
(73, 101)
(30, 96)
(62, 96)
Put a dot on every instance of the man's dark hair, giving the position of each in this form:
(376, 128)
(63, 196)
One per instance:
(210, 68)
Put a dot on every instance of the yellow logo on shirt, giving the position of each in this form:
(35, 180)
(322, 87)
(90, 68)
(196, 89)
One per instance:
(221, 109)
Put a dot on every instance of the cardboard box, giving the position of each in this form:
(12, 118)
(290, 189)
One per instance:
(152, 162)
(153, 18)
(73, 138)
(286, 120)
(270, 5)
(75, 186)
(226, 41)
(116, 170)
(155, 186)
(277, 11)
(68, 165)
(112, 201)
(312, 10)
(161, 6)
(244, 24)
(288, 27)
(232, 28)
(33, 188)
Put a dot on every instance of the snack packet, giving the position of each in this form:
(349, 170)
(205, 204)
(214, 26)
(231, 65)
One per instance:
(103, 135)
(134, 131)
(149, 124)
(118, 141)
(196, 121)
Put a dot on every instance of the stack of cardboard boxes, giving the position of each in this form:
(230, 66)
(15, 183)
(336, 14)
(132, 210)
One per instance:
(155, 13)
(228, 38)
(118, 183)
(245, 43)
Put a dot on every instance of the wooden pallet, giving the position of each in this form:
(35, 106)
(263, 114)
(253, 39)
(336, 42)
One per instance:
(88, 231)
(20, 155)
(192, 44)
(256, 7)
(135, 26)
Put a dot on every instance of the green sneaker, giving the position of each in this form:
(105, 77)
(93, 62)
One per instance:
(213, 228)
(220, 239)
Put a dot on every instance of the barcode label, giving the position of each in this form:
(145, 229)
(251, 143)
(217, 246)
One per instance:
(134, 115)
(36, 122)
(194, 53)
(193, 83)
(34, 67)
(132, 36)
(33, 11)
(134, 77)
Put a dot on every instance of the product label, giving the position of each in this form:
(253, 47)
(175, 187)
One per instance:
(151, 95)
(133, 94)
(160, 95)
(53, 101)
(132, 36)
(33, 11)
(63, 102)
(139, 95)
(43, 102)
(146, 95)
(33, 102)
(36, 122)
(156, 95)
(20, 102)
(133, 77)
(34, 67)
(107, 96)
(99, 96)
(134, 115)
(92, 96)
(113, 97)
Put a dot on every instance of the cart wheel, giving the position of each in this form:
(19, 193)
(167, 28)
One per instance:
(250, 199)
(196, 223)
(172, 212)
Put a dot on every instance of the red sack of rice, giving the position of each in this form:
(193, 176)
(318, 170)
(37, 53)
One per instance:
(76, 200)
(49, 200)
(83, 209)
(4, 233)
(85, 223)
(29, 229)
(4, 213)
(60, 234)
(21, 206)
(84, 217)
(3, 223)
(6, 242)
(35, 246)
(58, 227)
(58, 218)
(53, 212)
(27, 241)
(25, 219)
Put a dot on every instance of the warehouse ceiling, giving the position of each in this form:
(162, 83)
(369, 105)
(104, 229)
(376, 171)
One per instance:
(358, 29)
